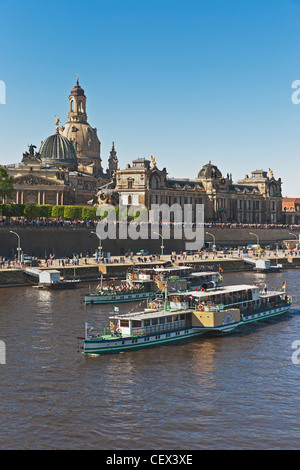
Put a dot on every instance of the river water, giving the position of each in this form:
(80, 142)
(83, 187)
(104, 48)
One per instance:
(239, 391)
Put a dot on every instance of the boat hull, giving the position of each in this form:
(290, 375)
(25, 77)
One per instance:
(117, 298)
(100, 346)
(265, 314)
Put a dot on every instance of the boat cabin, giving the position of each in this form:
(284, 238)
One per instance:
(152, 321)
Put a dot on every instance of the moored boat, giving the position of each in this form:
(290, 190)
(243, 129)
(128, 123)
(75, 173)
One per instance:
(141, 284)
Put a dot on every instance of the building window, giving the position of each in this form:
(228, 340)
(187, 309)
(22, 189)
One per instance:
(154, 182)
(129, 184)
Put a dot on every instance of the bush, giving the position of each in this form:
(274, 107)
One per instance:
(73, 212)
(89, 213)
(45, 210)
(57, 211)
(12, 210)
(31, 211)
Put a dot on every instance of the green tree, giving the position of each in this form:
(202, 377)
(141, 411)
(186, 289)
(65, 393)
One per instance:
(73, 212)
(6, 184)
(31, 211)
(58, 211)
(45, 210)
(89, 213)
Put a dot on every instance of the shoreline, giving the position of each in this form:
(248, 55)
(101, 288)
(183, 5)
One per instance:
(91, 272)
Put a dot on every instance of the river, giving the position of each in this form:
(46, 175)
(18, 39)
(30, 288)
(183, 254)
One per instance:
(239, 391)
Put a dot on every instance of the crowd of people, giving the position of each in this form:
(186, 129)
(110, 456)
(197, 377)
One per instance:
(81, 223)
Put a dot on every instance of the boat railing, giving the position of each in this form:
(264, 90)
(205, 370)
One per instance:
(160, 328)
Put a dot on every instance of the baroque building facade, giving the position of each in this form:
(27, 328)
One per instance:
(67, 168)
(254, 199)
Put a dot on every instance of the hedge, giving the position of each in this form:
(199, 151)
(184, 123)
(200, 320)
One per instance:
(34, 211)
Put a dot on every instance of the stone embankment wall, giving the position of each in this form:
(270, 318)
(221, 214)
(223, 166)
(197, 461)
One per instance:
(41, 241)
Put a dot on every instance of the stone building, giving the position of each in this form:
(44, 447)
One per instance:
(67, 168)
(252, 200)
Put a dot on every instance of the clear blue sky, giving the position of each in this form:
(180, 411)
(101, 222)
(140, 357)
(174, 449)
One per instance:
(186, 81)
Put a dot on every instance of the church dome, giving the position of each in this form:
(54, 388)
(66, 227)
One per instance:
(84, 138)
(57, 150)
(77, 90)
(209, 171)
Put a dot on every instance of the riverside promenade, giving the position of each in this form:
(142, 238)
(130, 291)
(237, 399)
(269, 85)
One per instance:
(87, 269)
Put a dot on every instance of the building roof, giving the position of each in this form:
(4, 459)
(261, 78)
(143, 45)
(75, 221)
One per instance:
(58, 150)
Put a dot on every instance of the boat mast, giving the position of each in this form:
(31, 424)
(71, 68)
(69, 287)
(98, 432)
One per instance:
(166, 294)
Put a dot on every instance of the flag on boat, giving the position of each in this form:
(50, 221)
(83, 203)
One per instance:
(220, 269)
(88, 326)
(116, 309)
(283, 286)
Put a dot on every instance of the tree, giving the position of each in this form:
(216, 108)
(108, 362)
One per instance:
(6, 184)
(89, 213)
(31, 211)
(58, 211)
(72, 212)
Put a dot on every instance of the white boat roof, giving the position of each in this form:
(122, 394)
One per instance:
(173, 268)
(218, 290)
(150, 313)
(204, 273)
(226, 290)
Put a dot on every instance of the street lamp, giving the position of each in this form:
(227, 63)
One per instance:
(297, 237)
(19, 245)
(251, 233)
(162, 243)
(214, 245)
(100, 243)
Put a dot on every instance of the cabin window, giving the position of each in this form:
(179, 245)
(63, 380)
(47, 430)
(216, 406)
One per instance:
(175, 318)
(154, 321)
(169, 319)
(136, 323)
(124, 323)
(182, 316)
(146, 322)
(162, 320)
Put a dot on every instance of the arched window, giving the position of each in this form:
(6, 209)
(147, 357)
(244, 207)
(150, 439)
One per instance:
(129, 199)
(72, 105)
(154, 182)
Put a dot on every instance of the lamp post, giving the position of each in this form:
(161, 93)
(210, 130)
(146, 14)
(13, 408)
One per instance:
(100, 243)
(19, 245)
(251, 233)
(162, 243)
(297, 237)
(214, 238)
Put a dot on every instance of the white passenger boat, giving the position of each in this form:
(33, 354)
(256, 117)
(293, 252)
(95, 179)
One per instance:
(129, 290)
(185, 315)
(141, 284)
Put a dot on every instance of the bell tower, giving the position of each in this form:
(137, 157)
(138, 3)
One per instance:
(83, 136)
(77, 104)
